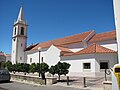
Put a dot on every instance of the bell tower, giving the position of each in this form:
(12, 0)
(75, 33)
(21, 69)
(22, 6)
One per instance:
(19, 39)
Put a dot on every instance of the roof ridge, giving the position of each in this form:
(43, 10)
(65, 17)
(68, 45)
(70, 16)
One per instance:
(92, 32)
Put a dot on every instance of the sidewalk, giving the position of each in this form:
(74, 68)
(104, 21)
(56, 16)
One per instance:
(63, 85)
(78, 86)
(92, 83)
(75, 82)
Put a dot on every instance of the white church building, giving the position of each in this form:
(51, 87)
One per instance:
(88, 53)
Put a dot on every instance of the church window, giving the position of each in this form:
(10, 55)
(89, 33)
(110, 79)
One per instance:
(30, 59)
(22, 31)
(15, 31)
(86, 65)
(103, 65)
(41, 59)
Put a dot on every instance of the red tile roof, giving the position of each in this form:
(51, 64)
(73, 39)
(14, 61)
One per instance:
(76, 38)
(7, 55)
(95, 48)
(63, 41)
(2, 54)
(30, 47)
(104, 36)
(63, 49)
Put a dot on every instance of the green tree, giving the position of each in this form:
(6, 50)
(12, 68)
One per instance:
(32, 68)
(62, 68)
(42, 68)
(9, 66)
(3, 64)
(52, 70)
(38, 67)
(14, 68)
(58, 67)
(24, 67)
(18, 67)
(66, 66)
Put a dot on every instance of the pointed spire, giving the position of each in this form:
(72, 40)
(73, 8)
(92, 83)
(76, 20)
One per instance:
(21, 15)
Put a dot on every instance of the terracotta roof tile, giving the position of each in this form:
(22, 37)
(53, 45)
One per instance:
(95, 48)
(63, 49)
(104, 36)
(7, 54)
(63, 41)
(30, 47)
(2, 54)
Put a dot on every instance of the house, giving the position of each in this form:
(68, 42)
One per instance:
(4, 57)
(8, 57)
(88, 53)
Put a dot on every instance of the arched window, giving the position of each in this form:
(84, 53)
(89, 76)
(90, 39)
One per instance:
(15, 31)
(22, 31)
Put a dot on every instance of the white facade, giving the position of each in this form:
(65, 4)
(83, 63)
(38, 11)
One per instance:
(51, 56)
(33, 56)
(77, 62)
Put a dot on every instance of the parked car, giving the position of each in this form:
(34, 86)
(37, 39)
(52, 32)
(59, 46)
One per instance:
(4, 75)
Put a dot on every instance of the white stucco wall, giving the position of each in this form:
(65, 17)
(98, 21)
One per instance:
(35, 56)
(21, 45)
(110, 58)
(111, 46)
(76, 68)
(13, 53)
(76, 49)
(52, 56)
(18, 47)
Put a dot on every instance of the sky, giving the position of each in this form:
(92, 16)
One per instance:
(52, 19)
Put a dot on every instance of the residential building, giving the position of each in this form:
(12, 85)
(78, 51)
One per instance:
(5, 57)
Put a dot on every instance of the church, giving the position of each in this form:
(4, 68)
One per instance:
(88, 53)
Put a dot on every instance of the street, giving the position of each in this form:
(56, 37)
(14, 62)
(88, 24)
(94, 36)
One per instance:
(22, 86)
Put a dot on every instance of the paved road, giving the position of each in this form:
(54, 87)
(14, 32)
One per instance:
(21, 86)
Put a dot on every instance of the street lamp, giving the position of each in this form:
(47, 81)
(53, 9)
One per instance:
(39, 48)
